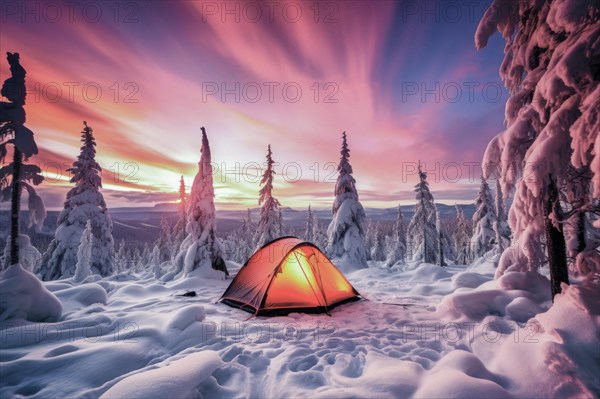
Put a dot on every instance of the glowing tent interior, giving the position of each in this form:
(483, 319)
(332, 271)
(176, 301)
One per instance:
(288, 275)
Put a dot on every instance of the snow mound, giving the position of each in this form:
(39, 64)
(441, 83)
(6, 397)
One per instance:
(518, 295)
(23, 296)
(522, 309)
(186, 316)
(468, 280)
(556, 353)
(85, 294)
(179, 379)
(427, 272)
(460, 374)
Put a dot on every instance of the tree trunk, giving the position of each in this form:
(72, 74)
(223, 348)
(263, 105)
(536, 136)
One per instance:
(15, 206)
(580, 225)
(555, 241)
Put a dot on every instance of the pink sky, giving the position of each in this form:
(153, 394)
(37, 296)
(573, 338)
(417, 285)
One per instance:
(155, 74)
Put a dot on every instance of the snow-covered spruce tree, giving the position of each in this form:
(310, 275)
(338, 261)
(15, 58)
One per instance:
(145, 257)
(398, 244)
(22, 295)
(378, 250)
(155, 262)
(29, 256)
(165, 239)
(346, 233)
(120, 258)
(462, 238)
(370, 238)
(550, 67)
(84, 202)
(310, 226)
(442, 248)
(484, 237)
(319, 234)
(268, 226)
(201, 249)
(84, 254)
(422, 231)
(178, 232)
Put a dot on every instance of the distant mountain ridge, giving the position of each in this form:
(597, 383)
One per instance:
(141, 224)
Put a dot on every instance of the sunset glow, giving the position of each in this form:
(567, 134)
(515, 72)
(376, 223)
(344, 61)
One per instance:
(147, 77)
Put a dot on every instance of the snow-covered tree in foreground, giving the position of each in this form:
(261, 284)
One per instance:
(269, 224)
(18, 174)
(84, 254)
(84, 202)
(484, 236)
(201, 248)
(551, 68)
(422, 230)
(346, 231)
(22, 295)
(501, 227)
(398, 245)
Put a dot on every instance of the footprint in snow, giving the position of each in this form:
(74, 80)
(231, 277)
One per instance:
(303, 364)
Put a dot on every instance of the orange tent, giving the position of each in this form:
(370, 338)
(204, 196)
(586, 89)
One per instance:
(288, 275)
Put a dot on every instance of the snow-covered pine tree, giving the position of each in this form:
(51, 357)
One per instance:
(120, 258)
(165, 239)
(550, 67)
(462, 238)
(22, 294)
(268, 226)
(84, 202)
(310, 226)
(155, 262)
(144, 261)
(378, 250)
(484, 237)
(319, 234)
(84, 254)
(422, 231)
(201, 248)
(178, 232)
(398, 244)
(370, 238)
(29, 256)
(136, 258)
(442, 248)
(346, 233)
(130, 261)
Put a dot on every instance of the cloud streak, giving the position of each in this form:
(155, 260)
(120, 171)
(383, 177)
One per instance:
(147, 87)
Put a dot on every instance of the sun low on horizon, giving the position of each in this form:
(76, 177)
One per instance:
(147, 75)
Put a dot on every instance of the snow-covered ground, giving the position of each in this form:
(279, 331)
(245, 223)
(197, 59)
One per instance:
(424, 331)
